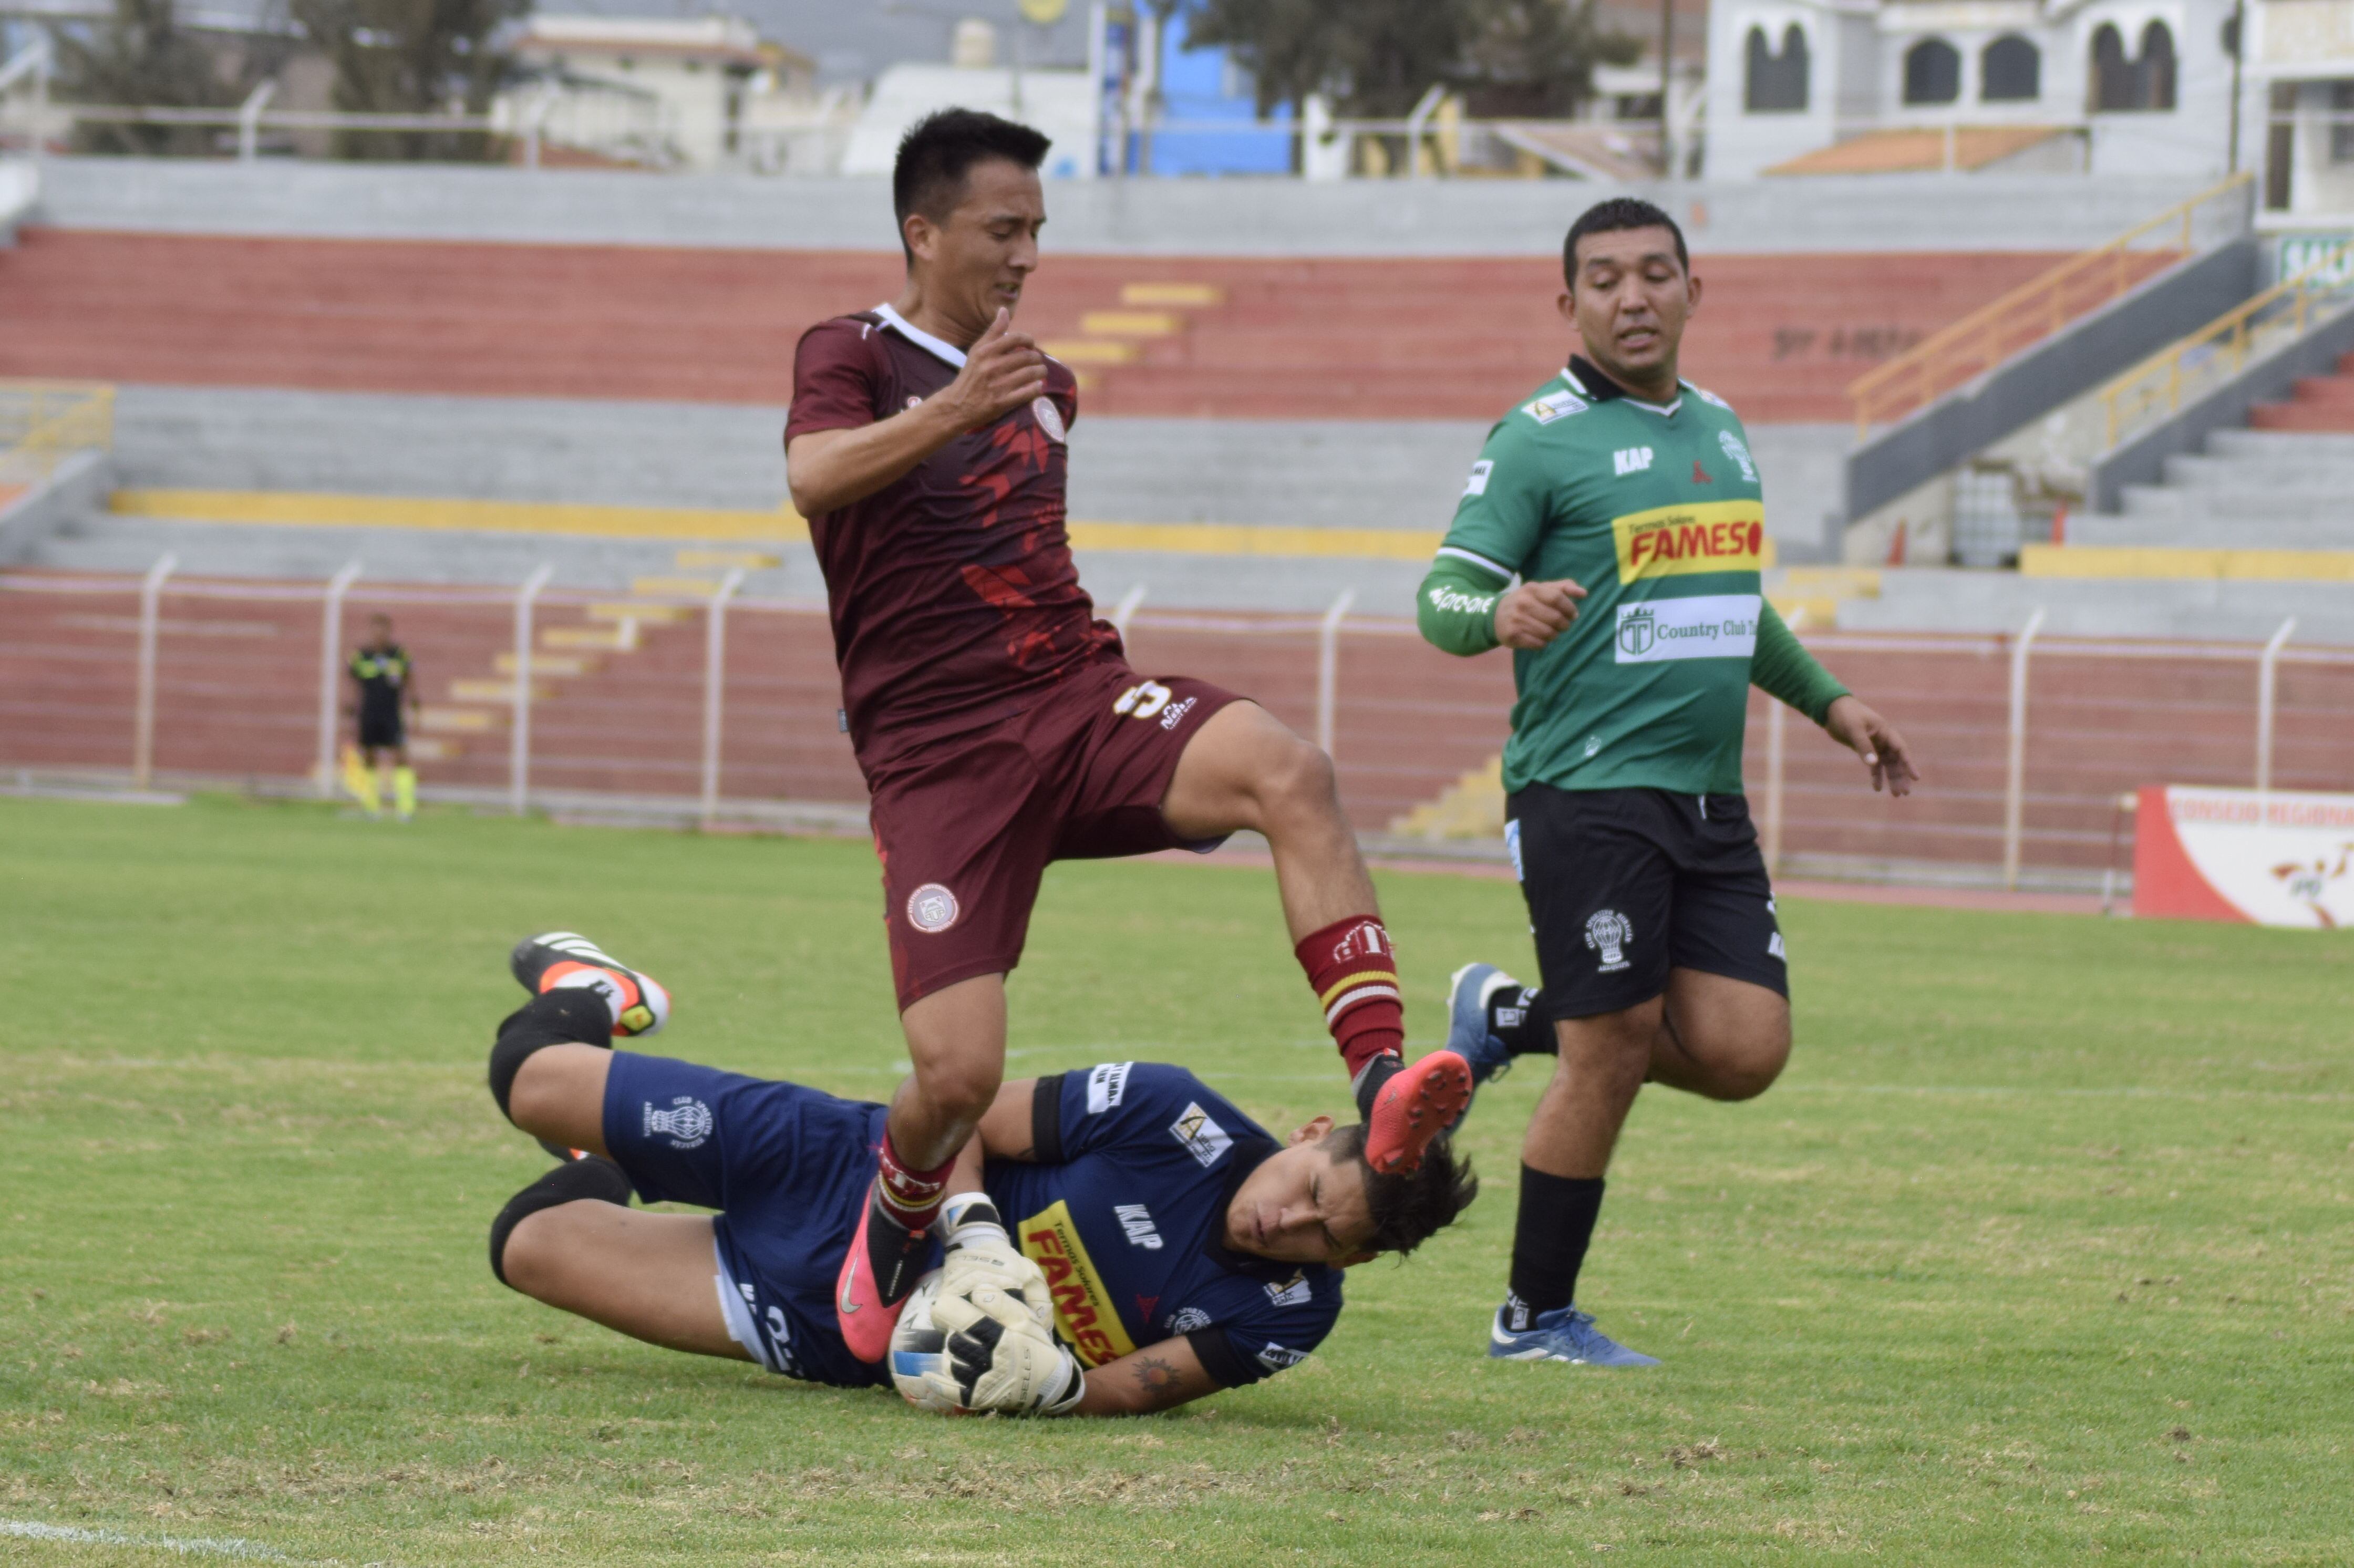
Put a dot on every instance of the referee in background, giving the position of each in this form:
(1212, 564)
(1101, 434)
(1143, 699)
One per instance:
(387, 684)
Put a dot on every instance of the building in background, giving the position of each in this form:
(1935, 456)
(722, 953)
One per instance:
(667, 93)
(2102, 87)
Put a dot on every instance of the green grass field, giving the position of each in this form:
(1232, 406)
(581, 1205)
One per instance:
(2039, 1252)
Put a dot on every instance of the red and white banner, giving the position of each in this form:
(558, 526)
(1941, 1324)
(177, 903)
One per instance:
(2273, 857)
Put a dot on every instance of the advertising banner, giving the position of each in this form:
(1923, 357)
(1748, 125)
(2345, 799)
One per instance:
(2275, 857)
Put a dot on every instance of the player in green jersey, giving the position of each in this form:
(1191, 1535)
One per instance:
(1627, 505)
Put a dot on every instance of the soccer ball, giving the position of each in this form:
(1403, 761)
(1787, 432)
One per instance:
(920, 1369)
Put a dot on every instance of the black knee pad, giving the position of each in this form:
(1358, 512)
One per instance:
(592, 1177)
(567, 1017)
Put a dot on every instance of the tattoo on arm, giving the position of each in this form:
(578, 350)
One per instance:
(1160, 1381)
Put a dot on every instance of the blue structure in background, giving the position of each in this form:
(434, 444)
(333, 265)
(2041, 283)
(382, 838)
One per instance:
(1198, 85)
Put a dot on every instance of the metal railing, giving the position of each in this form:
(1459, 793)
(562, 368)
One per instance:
(2034, 311)
(2155, 389)
(43, 421)
(721, 709)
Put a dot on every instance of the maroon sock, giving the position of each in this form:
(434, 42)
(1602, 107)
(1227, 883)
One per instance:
(911, 1197)
(1352, 969)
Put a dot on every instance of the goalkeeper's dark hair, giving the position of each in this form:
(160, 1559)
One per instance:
(1612, 216)
(939, 150)
(1408, 1210)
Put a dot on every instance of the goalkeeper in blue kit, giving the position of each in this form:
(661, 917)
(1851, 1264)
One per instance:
(1127, 1239)
(1626, 504)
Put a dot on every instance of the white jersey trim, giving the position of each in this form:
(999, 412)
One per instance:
(919, 337)
(1462, 554)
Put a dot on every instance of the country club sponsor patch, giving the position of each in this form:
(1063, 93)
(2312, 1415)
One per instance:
(1693, 536)
(1709, 625)
(932, 909)
(1204, 1138)
(1106, 1085)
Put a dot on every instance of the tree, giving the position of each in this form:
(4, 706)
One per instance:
(1375, 59)
(412, 57)
(140, 58)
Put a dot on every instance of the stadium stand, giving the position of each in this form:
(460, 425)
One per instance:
(457, 410)
(1411, 338)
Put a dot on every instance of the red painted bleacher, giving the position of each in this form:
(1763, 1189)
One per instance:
(1425, 338)
(2321, 405)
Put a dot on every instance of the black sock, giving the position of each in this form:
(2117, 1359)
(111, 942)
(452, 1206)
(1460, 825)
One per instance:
(1549, 1243)
(1515, 1017)
(1371, 1078)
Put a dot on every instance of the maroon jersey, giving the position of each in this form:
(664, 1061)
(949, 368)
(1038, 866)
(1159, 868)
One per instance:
(953, 595)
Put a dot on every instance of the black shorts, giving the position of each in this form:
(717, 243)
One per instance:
(1625, 885)
(381, 731)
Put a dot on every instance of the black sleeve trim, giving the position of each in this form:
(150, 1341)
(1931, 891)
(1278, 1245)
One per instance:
(1046, 1121)
(1227, 1367)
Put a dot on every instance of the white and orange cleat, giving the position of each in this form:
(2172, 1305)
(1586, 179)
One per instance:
(560, 960)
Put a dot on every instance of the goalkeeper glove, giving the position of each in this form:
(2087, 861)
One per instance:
(979, 1255)
(1007, 1366)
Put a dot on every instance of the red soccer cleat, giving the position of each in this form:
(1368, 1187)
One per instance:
(869, 1293)
(1416, 1105)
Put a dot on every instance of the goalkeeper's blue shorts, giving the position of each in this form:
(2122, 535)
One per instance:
(788, 1167)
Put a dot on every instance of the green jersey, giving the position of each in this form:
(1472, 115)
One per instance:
(1656, 509)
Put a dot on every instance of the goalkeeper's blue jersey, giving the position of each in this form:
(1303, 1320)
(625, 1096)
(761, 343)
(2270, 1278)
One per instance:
(1124, 1209)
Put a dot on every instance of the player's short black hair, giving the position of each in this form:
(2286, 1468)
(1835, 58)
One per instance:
(939, 150)
(1408, 1210)
(1611, 217)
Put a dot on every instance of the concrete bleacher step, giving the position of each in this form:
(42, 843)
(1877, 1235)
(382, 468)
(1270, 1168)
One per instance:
(107, 542)
(1929, 600)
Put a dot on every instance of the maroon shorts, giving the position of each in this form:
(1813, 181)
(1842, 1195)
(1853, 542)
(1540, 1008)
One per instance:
(966, 830)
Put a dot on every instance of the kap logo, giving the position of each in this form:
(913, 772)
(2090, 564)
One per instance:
(1638, 629)
(1137, 1222)
(1144, 701)
(1608, 933)
(1633, 459)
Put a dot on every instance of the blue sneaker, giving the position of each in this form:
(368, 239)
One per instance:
(1565, 1334)
(1468, 1034)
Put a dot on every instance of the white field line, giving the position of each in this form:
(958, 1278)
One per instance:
(31, 1529)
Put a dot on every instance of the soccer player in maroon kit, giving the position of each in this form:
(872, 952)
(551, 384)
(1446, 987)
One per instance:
(996, 719)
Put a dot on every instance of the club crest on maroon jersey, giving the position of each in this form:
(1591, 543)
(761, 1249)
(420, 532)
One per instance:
(1050, 418)
(932, 909)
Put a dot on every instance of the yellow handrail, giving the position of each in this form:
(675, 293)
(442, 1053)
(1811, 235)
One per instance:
(2237, 329)
(1992, 333)
(41, 421)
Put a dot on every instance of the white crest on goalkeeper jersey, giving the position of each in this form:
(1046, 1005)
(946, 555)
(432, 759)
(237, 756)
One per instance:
(1608, 932)
(1105, 1083)
(1291, 1292)
(1191, 1319)
(1204, 1138)
(688, 1122)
